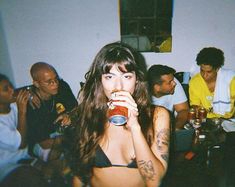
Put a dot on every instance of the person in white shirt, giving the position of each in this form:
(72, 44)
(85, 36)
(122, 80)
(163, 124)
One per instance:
(136, 39)
(167, 91)
(13, 146)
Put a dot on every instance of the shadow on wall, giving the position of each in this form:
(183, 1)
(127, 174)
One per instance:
(5, 63)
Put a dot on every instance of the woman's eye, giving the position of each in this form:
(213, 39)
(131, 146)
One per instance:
(128, 76)
(108, 77)
(6, 88)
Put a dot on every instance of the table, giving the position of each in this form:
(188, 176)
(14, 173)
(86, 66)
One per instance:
(217, 151)
(211, 164)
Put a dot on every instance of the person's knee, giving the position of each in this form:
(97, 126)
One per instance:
(24, 176)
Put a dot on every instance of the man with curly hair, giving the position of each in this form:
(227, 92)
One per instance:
(214, 87)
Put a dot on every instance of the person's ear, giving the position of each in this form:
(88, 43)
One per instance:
(36, 84)
(156, 88)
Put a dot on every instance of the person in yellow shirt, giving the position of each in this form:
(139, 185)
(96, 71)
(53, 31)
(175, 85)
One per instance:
(166, 45)
(209, 88)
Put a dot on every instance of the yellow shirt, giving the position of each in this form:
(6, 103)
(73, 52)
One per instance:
(199, 94)
(166, 45)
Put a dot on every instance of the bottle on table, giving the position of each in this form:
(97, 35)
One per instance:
(202, 114)
(191, 115)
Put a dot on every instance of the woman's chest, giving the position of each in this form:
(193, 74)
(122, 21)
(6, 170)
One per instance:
(119, 148)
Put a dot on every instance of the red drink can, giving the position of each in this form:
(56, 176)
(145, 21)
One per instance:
(117, 115)
(202, 114)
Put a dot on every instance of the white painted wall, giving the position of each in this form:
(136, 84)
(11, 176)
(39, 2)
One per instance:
(68, 34)
(5, 66)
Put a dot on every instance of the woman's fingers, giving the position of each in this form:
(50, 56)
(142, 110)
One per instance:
(120, 94)
(23, 96)
(123, 98)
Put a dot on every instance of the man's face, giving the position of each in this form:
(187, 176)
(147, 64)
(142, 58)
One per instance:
(207, 72)
(47, 83)
(167, 87)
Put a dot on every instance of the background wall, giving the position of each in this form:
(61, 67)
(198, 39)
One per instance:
(68, 34)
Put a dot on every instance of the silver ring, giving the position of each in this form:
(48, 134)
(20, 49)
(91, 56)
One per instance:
(111, 106)
(113, 95)
(31, 97)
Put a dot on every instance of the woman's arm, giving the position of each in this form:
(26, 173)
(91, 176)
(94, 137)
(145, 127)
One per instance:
(152, 162)
(22, 100)
(76, 182)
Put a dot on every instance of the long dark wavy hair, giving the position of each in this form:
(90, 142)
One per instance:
(92, 108)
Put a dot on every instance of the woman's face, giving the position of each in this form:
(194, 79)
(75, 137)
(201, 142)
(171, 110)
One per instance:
(116, 80)
(6, 92)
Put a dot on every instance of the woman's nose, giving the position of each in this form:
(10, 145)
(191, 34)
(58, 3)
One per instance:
(119, 85)
(11, 90)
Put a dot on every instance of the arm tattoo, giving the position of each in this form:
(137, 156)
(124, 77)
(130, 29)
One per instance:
(147, 169)
(162, 137)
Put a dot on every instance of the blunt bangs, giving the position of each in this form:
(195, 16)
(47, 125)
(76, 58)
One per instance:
(122, 58)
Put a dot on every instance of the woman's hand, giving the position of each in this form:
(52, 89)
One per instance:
(22, 100)
(123, 98)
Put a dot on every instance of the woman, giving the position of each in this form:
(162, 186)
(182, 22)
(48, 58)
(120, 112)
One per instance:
(13, 144)
(12, 125)
(135, 154)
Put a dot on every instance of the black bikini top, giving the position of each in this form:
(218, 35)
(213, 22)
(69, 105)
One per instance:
(101, 160)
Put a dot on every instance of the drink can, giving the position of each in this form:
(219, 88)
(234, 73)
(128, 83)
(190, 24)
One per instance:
(117, 115)
(196, 124)
(202, 113)
(191, 115)
(17, 91)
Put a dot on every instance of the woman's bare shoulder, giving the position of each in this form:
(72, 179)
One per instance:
(159, 110)
(161, 117)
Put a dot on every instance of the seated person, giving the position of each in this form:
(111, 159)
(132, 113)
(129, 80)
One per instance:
(56, 99)
(214, 87)
(136, 39)
(166, 45)
(168, 92)
(25, 176)
(139, 42)
(104, 154)
(13, 146)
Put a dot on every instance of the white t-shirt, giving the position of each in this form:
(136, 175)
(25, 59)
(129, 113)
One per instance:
(10, 140)
(168, 101)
